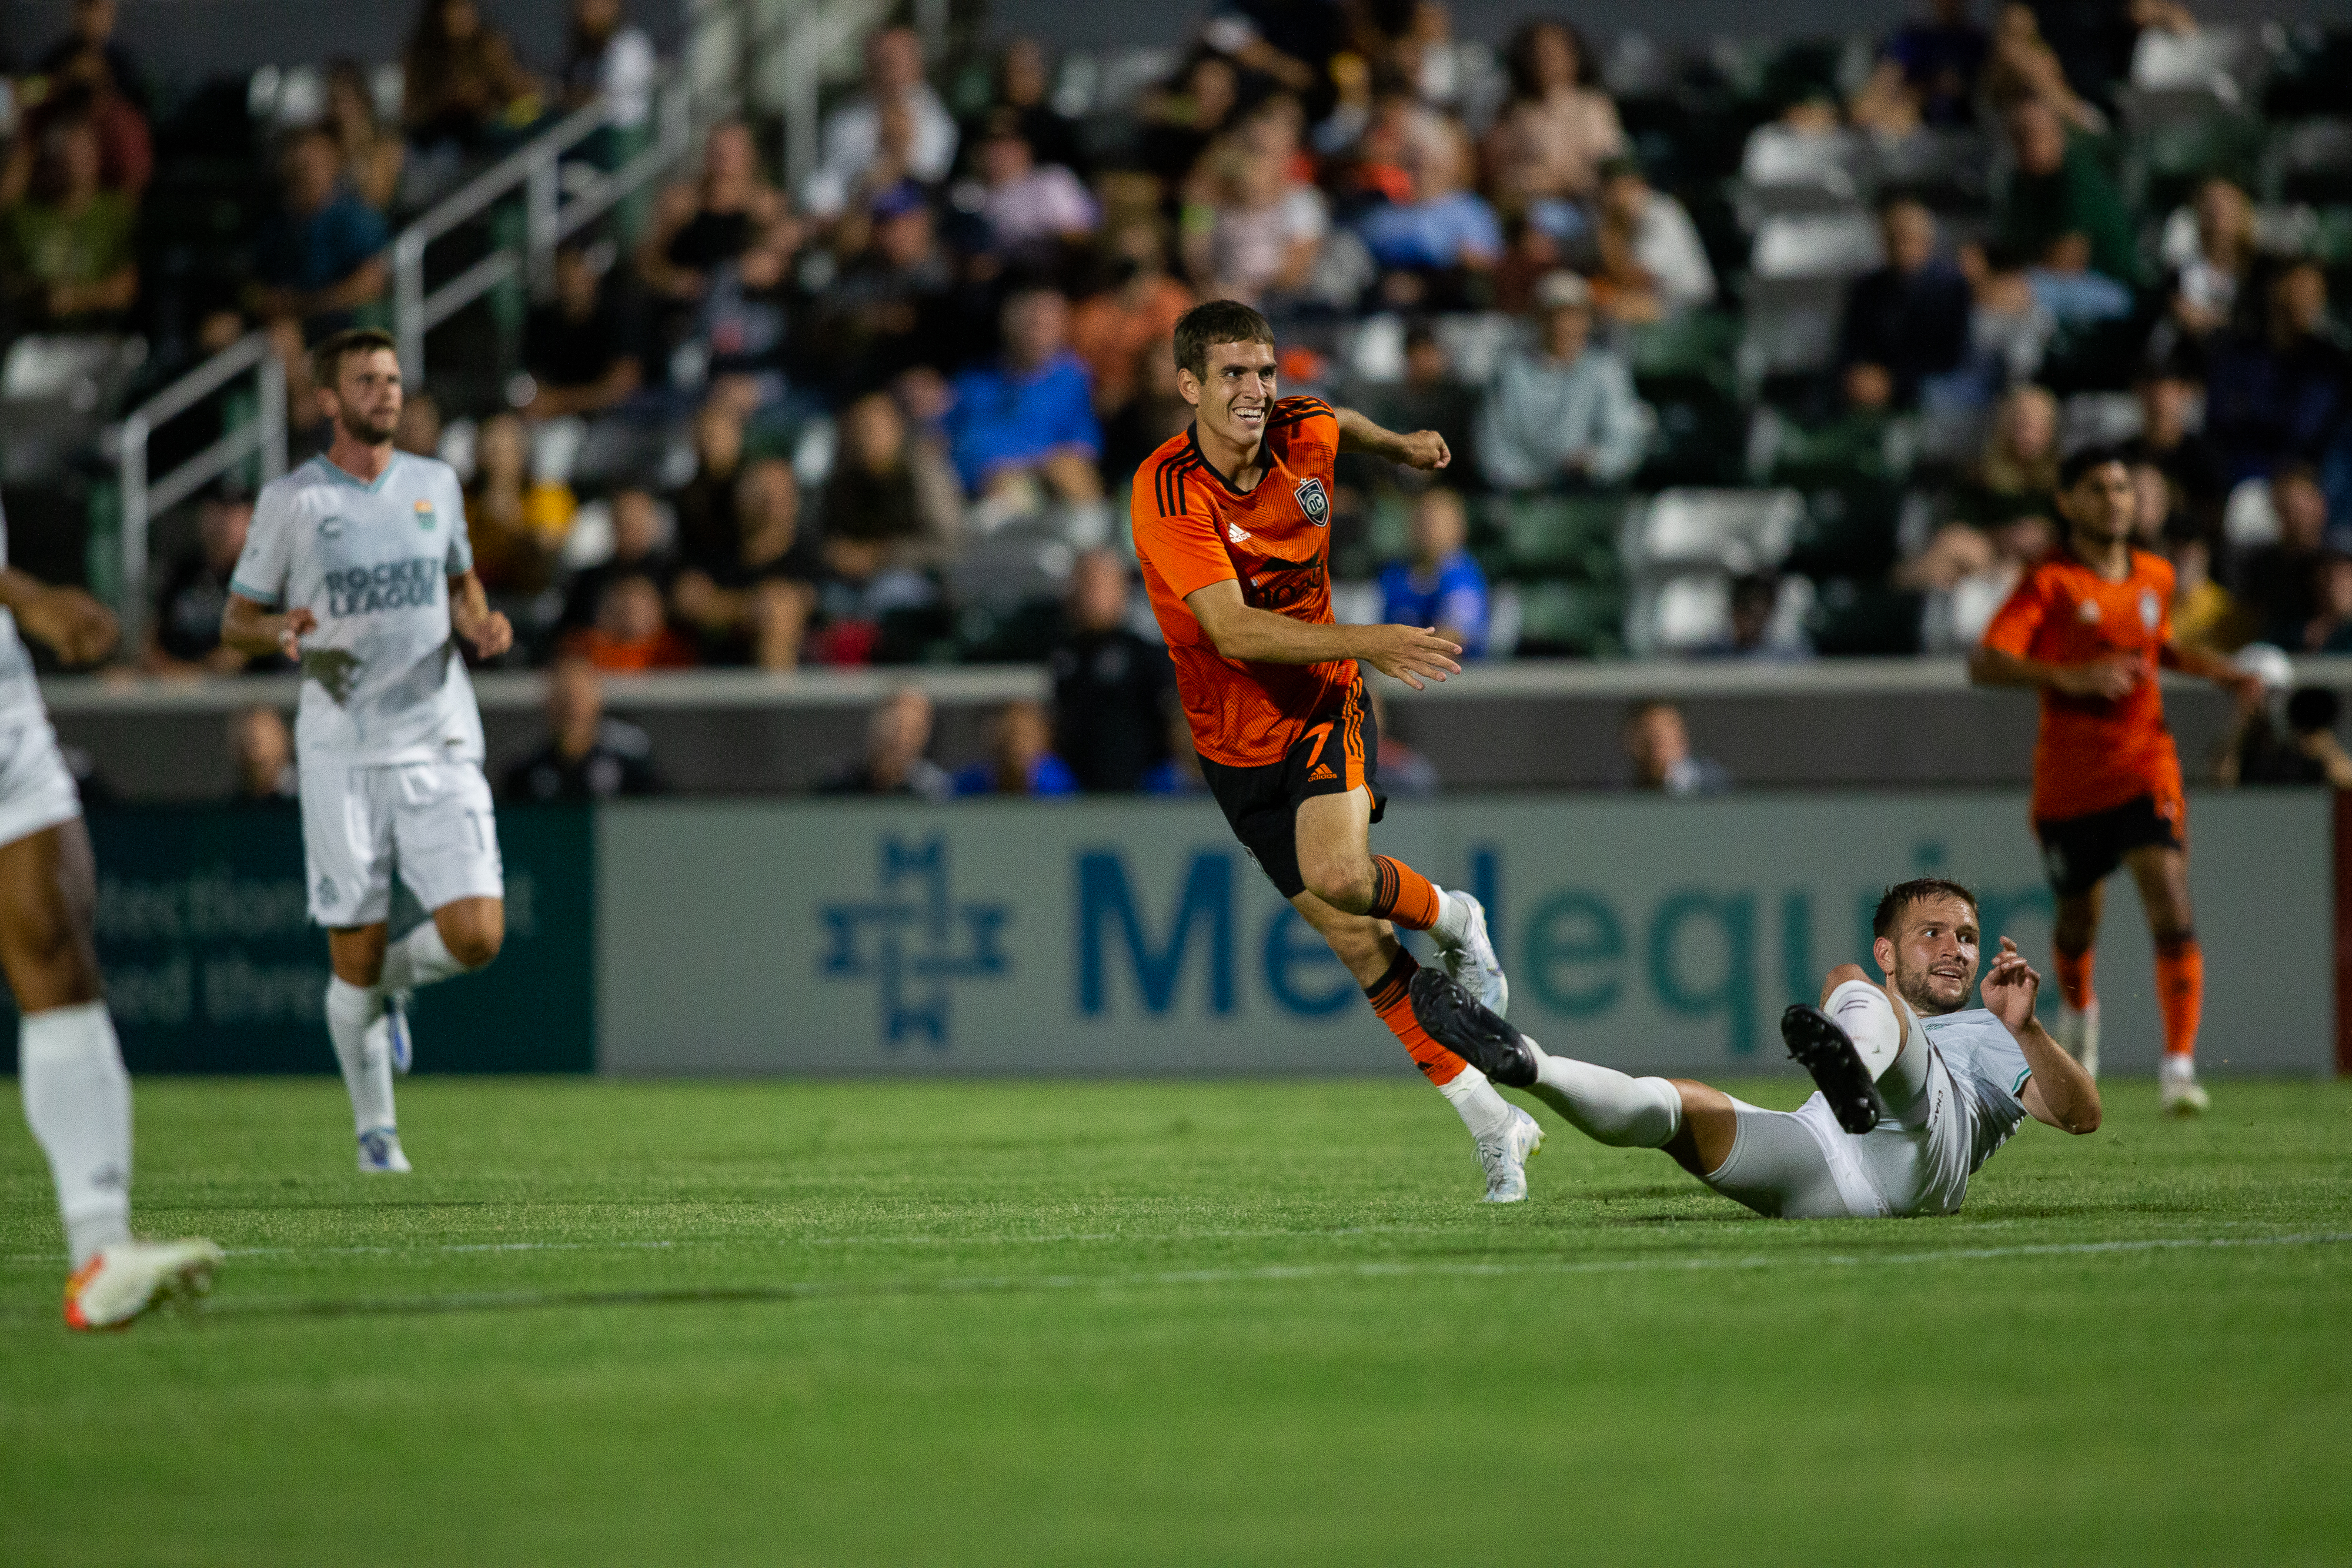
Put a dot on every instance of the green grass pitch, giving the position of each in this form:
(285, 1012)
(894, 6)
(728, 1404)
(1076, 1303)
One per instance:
(1155, 1323)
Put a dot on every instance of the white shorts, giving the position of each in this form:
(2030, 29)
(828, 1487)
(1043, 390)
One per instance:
(430, 818)
(1800, 1165)
(36, 788)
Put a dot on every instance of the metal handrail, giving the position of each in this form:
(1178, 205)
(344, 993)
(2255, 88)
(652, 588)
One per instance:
(549, 222)
(142, 500)
(547, 219)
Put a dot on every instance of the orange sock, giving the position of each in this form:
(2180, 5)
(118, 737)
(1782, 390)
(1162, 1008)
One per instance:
(2181, 993)
(2075, 978)
(1391, 997)
(1402, 894)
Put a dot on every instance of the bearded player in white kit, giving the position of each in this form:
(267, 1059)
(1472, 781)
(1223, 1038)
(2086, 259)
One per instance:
(68, 1063)
(359, 566)
(1917, 1088)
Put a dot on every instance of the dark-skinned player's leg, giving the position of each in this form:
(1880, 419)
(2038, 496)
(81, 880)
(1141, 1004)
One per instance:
(77, 1094)
(2161, 873)
(1350, 900)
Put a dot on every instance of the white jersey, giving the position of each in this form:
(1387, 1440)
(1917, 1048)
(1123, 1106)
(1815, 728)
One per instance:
(383, 684)
(1974, 1084)
(20, 692)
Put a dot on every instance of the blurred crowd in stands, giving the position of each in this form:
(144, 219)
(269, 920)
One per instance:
(1762, 350)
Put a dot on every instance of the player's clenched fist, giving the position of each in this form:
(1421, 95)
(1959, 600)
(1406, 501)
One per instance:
(300, 623)
(1424, 449)
(1410, 653)
(77, 626)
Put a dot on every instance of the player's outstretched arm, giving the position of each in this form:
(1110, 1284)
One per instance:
(2206, 665)
(80, 629)
(1422, 449)
(1413, 654)
(2109, 678)
(251, 627)
(2060, 1092)
(488, 630)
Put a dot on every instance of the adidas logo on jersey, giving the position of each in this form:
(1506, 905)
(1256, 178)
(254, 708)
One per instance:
(1234, 532)
(1321, 771)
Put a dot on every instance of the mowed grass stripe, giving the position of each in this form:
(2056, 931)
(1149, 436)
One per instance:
(1270, 1273)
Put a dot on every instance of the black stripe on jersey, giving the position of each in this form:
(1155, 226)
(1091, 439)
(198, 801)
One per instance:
(1185, 465)
(1291, 410)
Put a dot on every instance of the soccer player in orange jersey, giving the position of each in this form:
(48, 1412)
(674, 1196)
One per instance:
(1233, 524)
(2088, 627)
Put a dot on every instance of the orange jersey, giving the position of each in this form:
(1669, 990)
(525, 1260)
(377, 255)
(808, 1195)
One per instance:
(2092, 753)
(1193, 529)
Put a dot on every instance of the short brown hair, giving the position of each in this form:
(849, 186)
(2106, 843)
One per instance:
(1903, 895)
(1218, 321)
(327, 359)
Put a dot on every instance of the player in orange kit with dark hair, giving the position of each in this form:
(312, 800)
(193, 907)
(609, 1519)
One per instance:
(1233, 524)
(2088, 627)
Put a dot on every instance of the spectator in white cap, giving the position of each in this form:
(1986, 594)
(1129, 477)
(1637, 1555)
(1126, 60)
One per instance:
(1561, 414)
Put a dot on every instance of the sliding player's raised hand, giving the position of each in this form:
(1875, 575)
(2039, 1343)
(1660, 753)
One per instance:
(1413, 654)
(2010, 988)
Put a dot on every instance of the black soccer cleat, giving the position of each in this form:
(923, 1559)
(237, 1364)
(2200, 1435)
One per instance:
(1472, 1031)
(1822, 1049)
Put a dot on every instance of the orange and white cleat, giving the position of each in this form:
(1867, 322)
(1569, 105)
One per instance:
(128, 1278)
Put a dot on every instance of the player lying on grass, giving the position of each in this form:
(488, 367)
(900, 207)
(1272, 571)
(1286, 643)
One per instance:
(1916, 1088)
(77, 1094)
(1231, 523)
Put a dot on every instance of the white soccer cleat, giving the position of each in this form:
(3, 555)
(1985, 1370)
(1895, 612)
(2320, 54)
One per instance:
(394, 1024)
(380, 1153)
(1506, 1156)
(2078, 1034)
(126, 1278)
(2178, 1090)
(1471, 964)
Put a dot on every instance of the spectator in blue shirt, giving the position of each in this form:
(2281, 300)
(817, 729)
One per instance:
(1031, 416)
(1441, 585)
(1429, 245)
(1927, 74)
(321, 258)
(1021, 758)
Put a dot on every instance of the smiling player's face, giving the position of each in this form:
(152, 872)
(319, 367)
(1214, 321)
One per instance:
(1932, 957)
(1236, 397)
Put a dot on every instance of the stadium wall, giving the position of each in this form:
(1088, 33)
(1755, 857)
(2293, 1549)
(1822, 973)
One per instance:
(1136, 938)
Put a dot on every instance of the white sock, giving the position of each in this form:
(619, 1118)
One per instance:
(1607, 1106)
(364, 1052)
(77, 1103)
(418, 959)
(1475, 1100)
(1895, 1048)
(1453, 924)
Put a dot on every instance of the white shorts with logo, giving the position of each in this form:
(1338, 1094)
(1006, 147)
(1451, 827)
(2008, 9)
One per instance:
(36, 788)
(431, 820)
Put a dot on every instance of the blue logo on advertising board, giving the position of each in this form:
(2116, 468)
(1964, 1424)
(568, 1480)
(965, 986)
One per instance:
(915, 940)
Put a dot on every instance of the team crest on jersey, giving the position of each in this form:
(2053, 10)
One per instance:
(2087, 612)
(425, 516)
(2149, 610)
(1313, 501)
